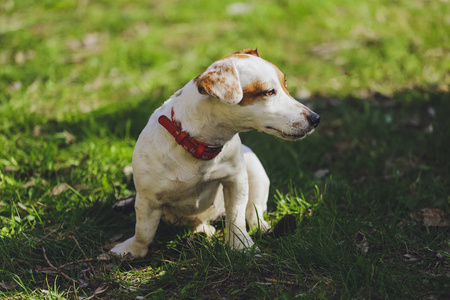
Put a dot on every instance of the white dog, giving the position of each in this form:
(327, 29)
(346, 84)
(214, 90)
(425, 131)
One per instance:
(189, 164)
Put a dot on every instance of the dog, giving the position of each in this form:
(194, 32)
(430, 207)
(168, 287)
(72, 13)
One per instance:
(189, 164)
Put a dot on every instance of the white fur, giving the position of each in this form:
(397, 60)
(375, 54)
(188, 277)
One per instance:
(176, 187)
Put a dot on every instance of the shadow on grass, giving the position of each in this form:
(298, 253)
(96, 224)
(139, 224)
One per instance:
(357, 138)
(382, 159)
(119, 119)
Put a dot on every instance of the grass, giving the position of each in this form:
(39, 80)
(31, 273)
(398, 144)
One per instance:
(79, 79)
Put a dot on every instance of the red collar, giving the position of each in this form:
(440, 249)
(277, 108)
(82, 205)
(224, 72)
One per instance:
(197, 149)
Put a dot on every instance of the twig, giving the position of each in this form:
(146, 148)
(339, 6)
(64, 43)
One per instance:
(78, 245)
(280, 281)
(55, 268)
(168, 261)
(84, 254)
(46, 259)
(75, 262)
(50, 233)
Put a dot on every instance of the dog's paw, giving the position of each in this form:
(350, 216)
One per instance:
(239, 241)
(130, 247)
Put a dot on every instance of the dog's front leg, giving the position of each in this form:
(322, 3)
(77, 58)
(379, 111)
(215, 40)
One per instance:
(235, 197)
(147, 221)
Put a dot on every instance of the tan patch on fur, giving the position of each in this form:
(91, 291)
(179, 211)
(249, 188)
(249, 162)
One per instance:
(205, 83)
(251, 51)
(227, 69)
(178, 94)
(282, 79)
(244, 53)
(220, 79)
(252, 94)
(237, 54)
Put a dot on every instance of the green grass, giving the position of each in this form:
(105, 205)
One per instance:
(79, 79)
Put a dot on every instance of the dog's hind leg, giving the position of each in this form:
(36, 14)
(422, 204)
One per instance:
(147, 221)
(215, 211)
(258, 183)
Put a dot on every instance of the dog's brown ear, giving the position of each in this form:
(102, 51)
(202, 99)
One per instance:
(221, 80)
(251, 51)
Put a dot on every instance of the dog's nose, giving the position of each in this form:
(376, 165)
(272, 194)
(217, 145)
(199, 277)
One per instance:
(314, 119)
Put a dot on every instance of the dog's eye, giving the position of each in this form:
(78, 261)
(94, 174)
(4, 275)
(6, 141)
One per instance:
(269, 92)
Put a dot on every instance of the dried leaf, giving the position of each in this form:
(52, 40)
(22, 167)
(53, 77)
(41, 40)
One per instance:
(106, 256)
(102, 288)
(15, 86)
(70, 138)
(125, 206)
(45, 270)
(91, 40)
(80, 187)
(37, 131)
(83, 283)
(319, 174)
(128, 170)
(431, 217)
(361, 242)
(124, 203)
(59, 189)
(280, 281)
(10, 169)
(410, 257)
(22, 206)
(29, 184)
(20, 58)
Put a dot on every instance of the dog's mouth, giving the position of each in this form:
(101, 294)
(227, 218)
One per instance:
(286, 136)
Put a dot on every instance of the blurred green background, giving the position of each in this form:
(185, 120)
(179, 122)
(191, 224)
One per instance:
(63, 57)
(79, 79)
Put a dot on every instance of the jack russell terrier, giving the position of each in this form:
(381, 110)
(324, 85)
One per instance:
(189, 164)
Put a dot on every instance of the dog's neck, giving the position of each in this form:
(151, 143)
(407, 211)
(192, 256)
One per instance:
(196, 148)
(202, 118)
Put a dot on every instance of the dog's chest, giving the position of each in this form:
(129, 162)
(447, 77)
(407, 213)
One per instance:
(177, 181)
(187, 198)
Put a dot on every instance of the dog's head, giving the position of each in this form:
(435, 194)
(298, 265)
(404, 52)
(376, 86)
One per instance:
(257, 91)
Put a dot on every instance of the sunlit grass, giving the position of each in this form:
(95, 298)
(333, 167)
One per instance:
(79, 79)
